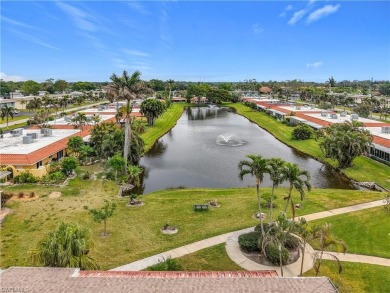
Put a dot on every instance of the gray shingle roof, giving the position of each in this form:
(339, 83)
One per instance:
(24, 279)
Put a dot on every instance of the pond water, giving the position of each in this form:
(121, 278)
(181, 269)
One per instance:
(205, 147)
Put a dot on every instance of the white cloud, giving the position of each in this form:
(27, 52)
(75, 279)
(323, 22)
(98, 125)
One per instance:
(288, 8)
(297, 16)
(138, 7)
(257, 29)
(16, 23)
(81, 19)
(315, 64)
(7, 77)
(33, 39)
(322, 12)
(135, 53)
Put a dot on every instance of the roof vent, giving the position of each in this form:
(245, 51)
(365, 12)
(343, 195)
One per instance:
(47, 131)
(17, 132)
(386, 129)
(27, 139)
(34, 135)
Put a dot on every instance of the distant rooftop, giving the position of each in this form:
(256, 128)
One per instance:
(15, 146)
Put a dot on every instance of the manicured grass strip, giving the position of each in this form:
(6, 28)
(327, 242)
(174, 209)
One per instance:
(162, 125)
(364, 169)
(213, 258)
(135, 232)
(365, 232)
(356, 277)
(11, 127)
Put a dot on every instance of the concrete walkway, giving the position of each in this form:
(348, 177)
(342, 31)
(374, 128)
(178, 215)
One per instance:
(229, 238)
(373, 260)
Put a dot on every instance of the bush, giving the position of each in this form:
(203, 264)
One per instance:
(25, 177)
(266, 227)
(272, 254)
(253, 106)
(5, 196)
(291, 242)
(168, 264)
(249, 241)
(302, 132)
(267, 198)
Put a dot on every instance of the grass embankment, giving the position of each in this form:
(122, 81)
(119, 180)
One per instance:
(363, 169)
(364, 232)
(135, 232)
(356, 277)
(163, 124)
(11, 127)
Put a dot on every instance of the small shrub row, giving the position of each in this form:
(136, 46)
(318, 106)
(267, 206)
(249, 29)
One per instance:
(168, 264)
(25, 177)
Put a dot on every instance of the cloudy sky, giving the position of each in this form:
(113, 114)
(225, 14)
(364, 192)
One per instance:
(195, 40)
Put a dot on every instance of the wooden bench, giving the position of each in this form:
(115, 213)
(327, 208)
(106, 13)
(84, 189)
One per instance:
(201, 207)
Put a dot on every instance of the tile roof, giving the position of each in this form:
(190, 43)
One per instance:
(72, 280)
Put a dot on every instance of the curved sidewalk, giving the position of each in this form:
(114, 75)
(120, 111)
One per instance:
(193, 247)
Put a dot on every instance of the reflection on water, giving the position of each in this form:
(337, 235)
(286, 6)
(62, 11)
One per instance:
(189, 156)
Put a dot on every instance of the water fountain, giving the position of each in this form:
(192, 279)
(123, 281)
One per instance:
(229, 140)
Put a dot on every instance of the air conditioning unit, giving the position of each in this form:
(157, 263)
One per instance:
(47, 131)
(34, 135)
(27, 139)
(324, 114)
(17, 132)
(67, 119)
(386, 129)
(333, 116)
(354, 117)
(343, 114)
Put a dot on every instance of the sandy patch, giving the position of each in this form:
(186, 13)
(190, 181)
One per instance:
(55, 194)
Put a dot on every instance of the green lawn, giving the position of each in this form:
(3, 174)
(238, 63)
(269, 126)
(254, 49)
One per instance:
(364, 169)
(135, 232)
(365, 232)
(356, 277)
(10, 127)
(163, 124)
(213, 258)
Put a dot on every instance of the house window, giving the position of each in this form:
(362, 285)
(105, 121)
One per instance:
(60, 154)
(39, 164)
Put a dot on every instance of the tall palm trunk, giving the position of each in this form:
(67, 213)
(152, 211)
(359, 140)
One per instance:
(127, 145)
(288, 198)
(303, 256)
(259, 205)
(272, 204)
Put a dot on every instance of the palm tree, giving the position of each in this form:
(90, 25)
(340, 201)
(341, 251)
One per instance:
(275, 171)
(307, 233)
(67, 246)
(23, 102)
(257, 168)
(327, 241)
(128, 88)
(80, 121)
(6, 112)
(152, 108)
(170, 82)
(64, 101)
(293, 174)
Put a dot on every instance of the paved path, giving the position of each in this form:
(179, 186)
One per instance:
(10, 123)
(380, 261)
(234, 254)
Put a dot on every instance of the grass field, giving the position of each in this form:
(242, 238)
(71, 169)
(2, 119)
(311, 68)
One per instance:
(356, 277)
(163, 124)
(363, 169)
(135, 232)
(365, 232)
(213, 258)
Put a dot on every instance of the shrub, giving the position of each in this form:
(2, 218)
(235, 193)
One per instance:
(168, 264)
(249, 241)
(5, 196)
(267, 198)
(291, 242)
(302, 132)
(54, 177)
(266, 227)
(272, 254)
(25, 177)
(21, 194)
(253, 106)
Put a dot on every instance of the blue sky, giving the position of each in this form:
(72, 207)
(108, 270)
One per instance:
(196, 40)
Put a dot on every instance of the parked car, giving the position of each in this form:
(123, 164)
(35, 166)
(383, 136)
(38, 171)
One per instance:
(15, 112)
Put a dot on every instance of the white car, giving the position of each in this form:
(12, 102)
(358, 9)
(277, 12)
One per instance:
(15, 112)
